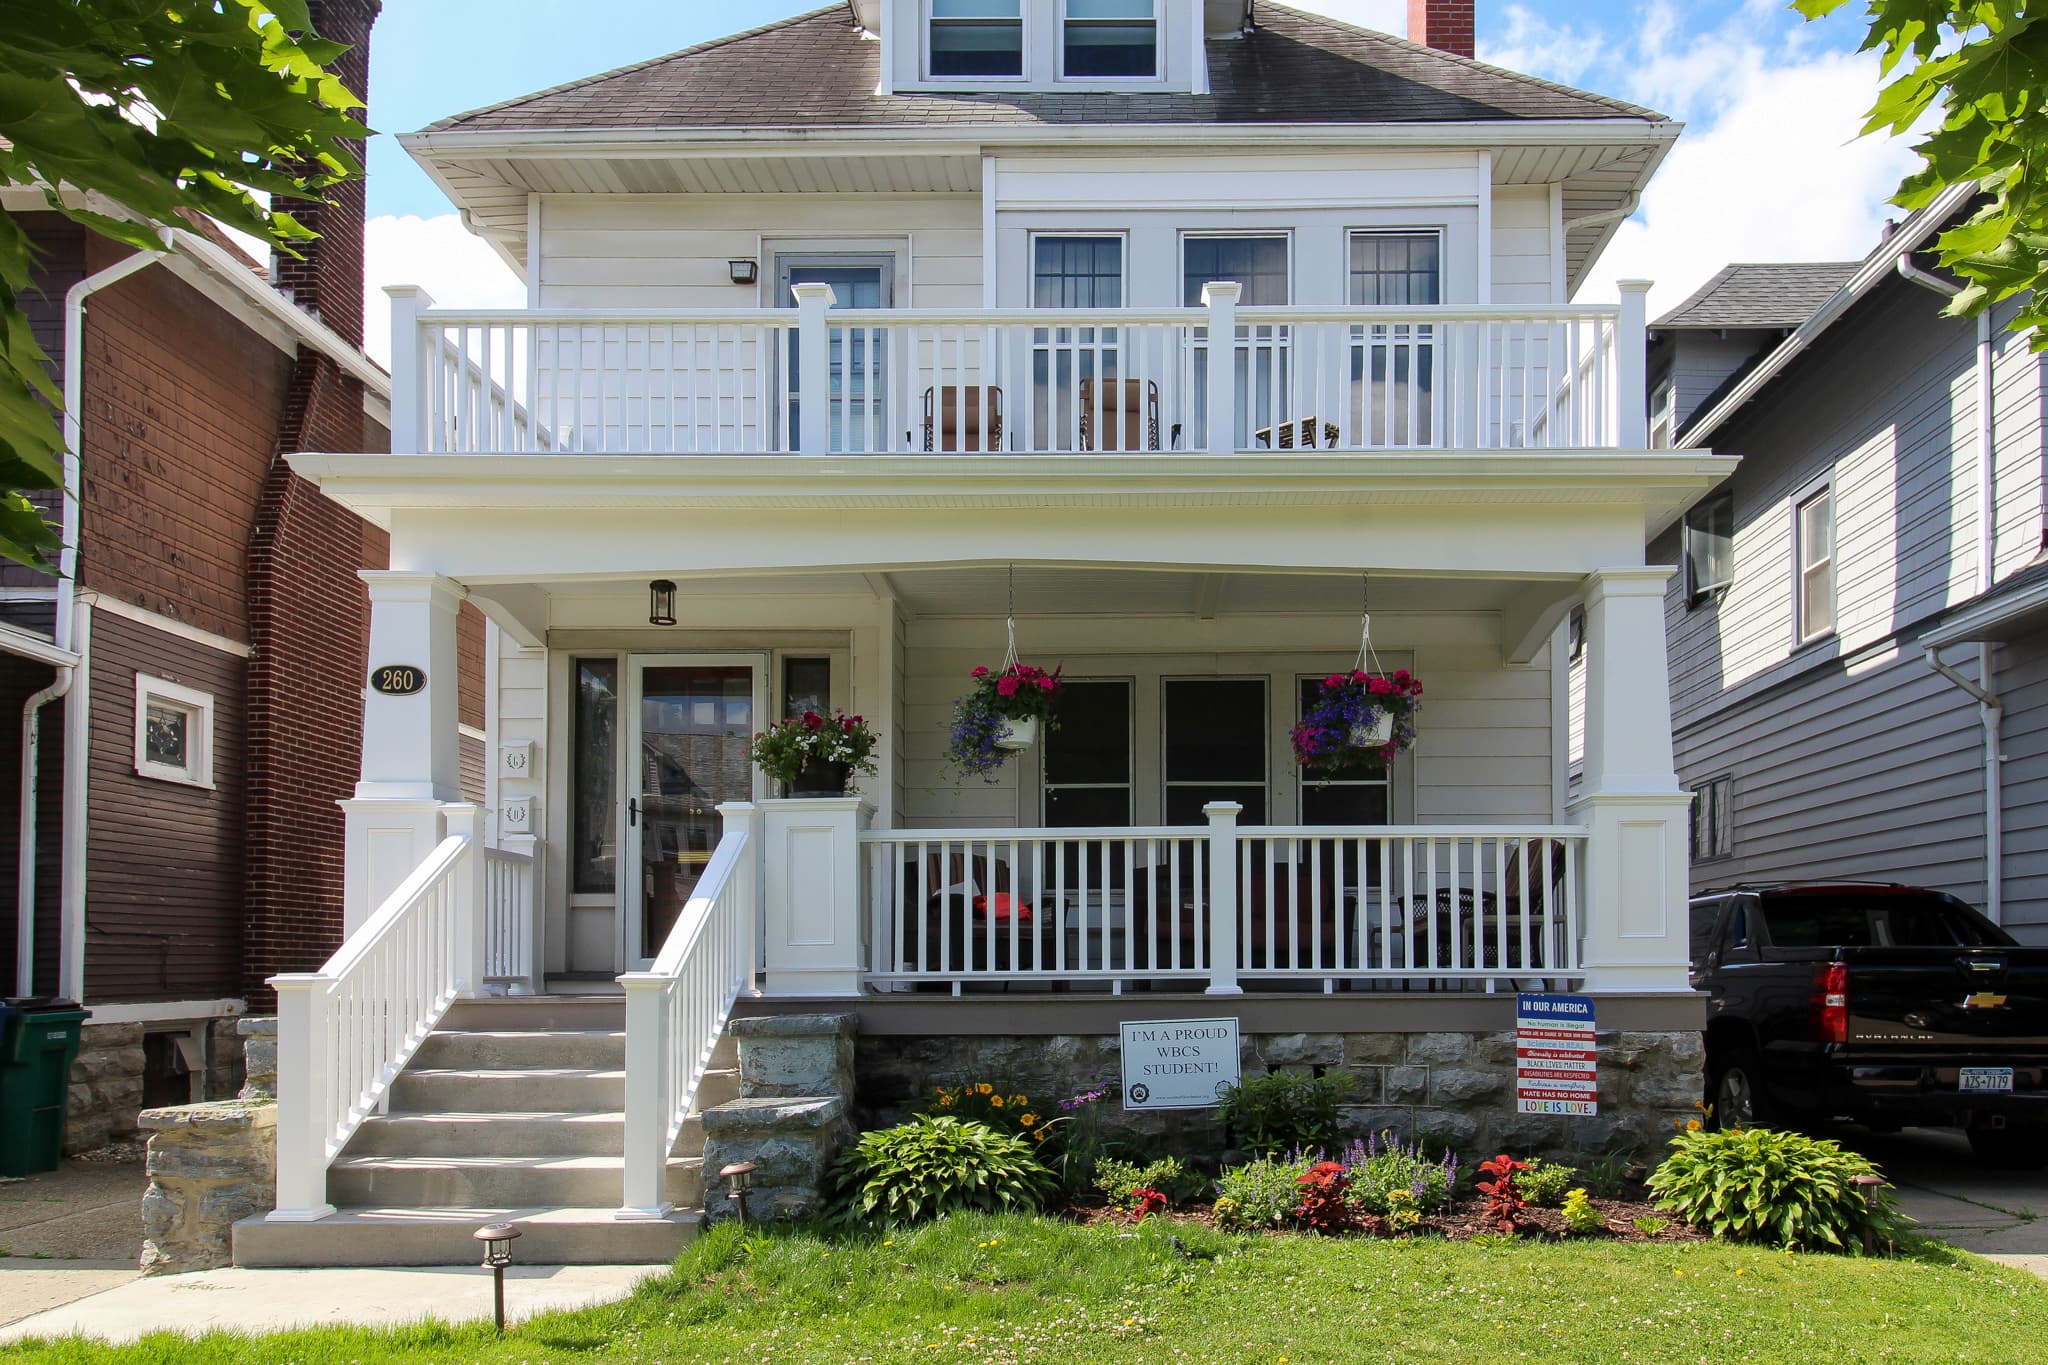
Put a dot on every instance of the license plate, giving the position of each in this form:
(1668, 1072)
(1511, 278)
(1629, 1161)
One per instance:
(1984, 1078)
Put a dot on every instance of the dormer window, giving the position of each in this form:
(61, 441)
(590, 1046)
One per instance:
(977, 38)
(1116, 38)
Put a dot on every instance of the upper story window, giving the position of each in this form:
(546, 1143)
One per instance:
(1813, 534)
(1396, 268)
(977, 38)
(1663, 415)
(1117, 38)
(1257, 263)
(1713, 823)
(1077, 272)
(1709, 547)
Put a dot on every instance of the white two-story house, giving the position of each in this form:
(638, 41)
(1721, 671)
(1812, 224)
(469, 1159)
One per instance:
(1166, 339)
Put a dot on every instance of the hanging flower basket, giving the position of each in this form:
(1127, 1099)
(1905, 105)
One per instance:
(1001, 714)
(814, 755)
(1358, 720)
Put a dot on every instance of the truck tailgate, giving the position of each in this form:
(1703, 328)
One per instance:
(1982, 1001)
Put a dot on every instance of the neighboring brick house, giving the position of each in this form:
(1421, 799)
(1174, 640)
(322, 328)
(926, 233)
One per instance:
(213, 630)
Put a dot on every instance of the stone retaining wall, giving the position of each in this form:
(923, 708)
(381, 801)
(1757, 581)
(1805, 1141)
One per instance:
(209, 1165)
(106, 1081)
(1457, 1085)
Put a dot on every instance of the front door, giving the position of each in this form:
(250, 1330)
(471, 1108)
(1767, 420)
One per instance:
(690, 718)
(860, 419)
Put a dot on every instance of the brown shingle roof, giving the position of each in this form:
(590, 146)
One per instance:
(1761, 294)
(817, 70)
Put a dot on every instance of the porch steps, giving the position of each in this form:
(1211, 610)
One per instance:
(512, 1111)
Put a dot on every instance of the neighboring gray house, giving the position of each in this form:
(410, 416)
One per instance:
(1844, 597)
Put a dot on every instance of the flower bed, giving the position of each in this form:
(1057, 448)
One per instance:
(1629, 1218)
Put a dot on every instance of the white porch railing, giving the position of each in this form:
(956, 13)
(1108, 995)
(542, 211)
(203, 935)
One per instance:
(677, 1010)
(1018, 381)
(346, 1031)
(1487, 905)
(512, 922)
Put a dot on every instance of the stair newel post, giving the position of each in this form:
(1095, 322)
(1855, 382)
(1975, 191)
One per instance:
(813, 368)
(649, 1102)
(744, 818)
(467, 888)
(303, 1070)
(1220, 298)
(1223, 896)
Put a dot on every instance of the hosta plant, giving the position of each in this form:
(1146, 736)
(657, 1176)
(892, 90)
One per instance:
(934, 1165)
(1774, 1187)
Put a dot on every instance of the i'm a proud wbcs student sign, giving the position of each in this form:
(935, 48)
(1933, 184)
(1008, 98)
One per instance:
(1178, 1063)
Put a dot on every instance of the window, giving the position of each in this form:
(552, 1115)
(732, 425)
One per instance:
(1088, 755)
(593, 852)
(173, 732)
(1077, 272)
(1813, 530)
(1577, 636)
(977, 38)
(1357, 796)
(1713, 831)
(1257, 263)
(1215, 747)
(806, 686)
(1396, 268)
(1709, 548)
(1393, 366)
(1663, 415)
(1111, 38)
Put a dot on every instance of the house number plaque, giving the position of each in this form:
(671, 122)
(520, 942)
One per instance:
(398, 680)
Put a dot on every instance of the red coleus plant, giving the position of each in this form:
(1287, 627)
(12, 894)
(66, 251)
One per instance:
(1145, 1202)
(1324, 1206)
(1504, 1203)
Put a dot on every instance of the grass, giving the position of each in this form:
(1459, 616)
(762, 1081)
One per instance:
(1017, 1288)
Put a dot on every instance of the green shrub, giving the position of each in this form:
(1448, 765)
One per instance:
(1168, 1175)
(1545, 1183)
(1764, 1185)
(1382, 1164)
(1284, 1112)
(1580, 1217)
(1260, 1194)
(932, 1166)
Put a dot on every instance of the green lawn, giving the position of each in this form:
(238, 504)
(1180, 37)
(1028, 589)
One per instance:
(1031, 1289)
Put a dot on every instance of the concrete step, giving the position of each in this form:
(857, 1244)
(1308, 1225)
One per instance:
(690, 1142)
(726, 1055)
(716, 1088)
(494, 1134)
(516, 1049)
(442, 1237)
(534, 1012)
(420, 1182)
(515, 1090)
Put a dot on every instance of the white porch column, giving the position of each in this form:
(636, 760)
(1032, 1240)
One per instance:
(1630, 802)
(810, 854)
(411, 755)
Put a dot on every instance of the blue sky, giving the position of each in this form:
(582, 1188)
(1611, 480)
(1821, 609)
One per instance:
(1770, 167)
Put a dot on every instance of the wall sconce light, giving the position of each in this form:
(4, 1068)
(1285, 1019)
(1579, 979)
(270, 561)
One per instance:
(743, 272)
(661, 603)
(740, 1176)
(497, 1240)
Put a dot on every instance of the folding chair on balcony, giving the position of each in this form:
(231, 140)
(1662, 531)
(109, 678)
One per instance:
(960, 418)
(1298, 432)
(1130, 412)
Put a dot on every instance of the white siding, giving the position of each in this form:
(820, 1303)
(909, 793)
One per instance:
(1522, 259)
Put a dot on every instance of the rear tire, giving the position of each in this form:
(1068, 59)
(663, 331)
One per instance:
(1734, 1095)
(2010, 1149)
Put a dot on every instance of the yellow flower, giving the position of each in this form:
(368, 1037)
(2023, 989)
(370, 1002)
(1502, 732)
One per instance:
(890, 1242)
(1692, 1125)
(1019, 1100)
(945, 1101)
(984, 1089)
(1028, 1119)
(997, 1102)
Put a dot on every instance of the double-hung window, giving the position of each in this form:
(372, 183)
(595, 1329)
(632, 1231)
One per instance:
(1078, 401)
(1258, 264)
(1393, 365)
(976, 38)
(1813, 534)
(1709, 547)
(1114, 38)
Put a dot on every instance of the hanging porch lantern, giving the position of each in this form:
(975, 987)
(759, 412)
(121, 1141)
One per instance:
(661, 602)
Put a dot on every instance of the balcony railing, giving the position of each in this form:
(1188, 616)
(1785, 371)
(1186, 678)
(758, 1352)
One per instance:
(821, 380)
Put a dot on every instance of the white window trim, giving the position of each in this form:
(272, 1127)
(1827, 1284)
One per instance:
(1123, 259)
(1285, 235)
(924, 53)
(1800, 636)
(1128, 787)
(1158, 72)
(198, 771)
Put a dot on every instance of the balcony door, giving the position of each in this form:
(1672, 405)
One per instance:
(859, 387)
(689, 720)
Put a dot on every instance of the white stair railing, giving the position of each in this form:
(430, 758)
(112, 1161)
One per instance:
(346, 1031)
(512, 930)
(677, 1010)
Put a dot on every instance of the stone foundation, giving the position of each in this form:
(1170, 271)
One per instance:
(259, 1057)
(106, 1082)
(1457, 1085)
(209, 1165)
(792, 1143)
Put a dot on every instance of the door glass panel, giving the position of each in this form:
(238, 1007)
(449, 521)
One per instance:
(695, 726)
(595, 842)
(858, 385)
(1215, 747)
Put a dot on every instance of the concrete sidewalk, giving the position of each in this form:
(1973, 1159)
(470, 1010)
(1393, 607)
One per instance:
(279, 1300)
(70, 1232)
(2000, 1215)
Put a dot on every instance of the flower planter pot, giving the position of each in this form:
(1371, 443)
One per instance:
(1374, 732)
(1018, 734)
(821, 779)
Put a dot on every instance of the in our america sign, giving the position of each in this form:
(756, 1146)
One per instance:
(1556, 1062)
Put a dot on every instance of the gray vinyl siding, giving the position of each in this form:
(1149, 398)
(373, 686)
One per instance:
(1702, 361)
(2023, 687)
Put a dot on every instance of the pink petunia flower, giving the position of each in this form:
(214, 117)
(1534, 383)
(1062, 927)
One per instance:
(1007, 687)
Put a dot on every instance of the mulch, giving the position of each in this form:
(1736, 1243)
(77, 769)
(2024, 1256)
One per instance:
(1464, 1218)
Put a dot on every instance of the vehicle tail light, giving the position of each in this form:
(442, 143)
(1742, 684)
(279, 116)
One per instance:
(1831, 1002)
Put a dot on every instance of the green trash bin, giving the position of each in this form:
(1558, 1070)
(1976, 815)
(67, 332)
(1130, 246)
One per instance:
(38, 1043)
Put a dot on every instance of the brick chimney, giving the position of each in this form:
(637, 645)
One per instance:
(328, 279)
(1445, 25)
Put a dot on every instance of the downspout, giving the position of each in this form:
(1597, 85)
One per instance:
(67, 579)
(1990, 714)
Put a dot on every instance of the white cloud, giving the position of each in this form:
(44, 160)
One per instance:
(455, 265)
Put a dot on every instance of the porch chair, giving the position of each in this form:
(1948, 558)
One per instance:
(968, 418)
(1480, 946)
(1298, 432)
(1138, 402)
(962, 891)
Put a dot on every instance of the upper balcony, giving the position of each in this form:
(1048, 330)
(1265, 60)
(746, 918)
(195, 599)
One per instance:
(817, 379)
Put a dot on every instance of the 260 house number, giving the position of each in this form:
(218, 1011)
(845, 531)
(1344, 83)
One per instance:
(398, 680)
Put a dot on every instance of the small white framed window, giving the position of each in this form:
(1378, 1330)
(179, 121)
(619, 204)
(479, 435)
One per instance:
(975, 38)
(173, 732)
(1709, 547)
(1813, 548)
(1713, 822)
(1113, 39)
